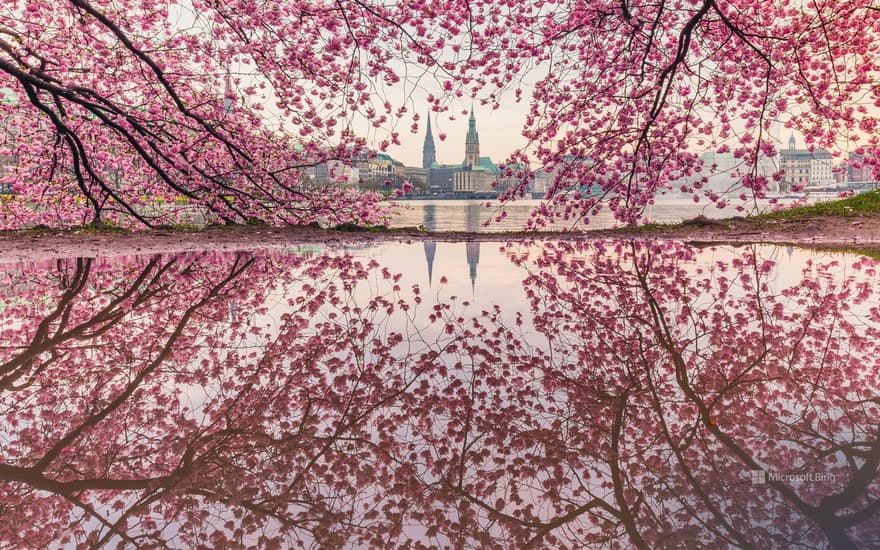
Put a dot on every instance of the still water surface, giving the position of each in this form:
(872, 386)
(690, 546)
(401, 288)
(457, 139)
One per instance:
(555, 394)
(472, 215)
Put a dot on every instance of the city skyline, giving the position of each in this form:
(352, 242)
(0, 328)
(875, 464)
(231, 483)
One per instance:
(500, 133)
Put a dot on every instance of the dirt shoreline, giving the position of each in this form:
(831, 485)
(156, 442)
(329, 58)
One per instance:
(858, 232)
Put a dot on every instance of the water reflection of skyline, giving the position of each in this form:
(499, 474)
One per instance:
(472, 247)
(152, 402)
(451, 215)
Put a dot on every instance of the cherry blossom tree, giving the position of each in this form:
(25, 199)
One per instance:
(638, 89)
(115, 109)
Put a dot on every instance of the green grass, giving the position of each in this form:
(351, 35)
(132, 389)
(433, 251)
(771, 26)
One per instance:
(187, 227)
(864, 203)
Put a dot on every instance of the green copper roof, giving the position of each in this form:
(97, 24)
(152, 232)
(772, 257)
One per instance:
(486, 163)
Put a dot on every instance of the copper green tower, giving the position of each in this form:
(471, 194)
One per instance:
(472, 143)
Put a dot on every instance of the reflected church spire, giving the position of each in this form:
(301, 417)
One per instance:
(430, 223)
(473, 247)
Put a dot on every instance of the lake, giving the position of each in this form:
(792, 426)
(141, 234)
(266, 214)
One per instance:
(472, 215)
(546, 394)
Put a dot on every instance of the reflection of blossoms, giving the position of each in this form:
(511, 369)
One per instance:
(707, 373)
(634, 405)
(135, 407)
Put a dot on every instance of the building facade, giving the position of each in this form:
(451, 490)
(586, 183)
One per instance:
(803, 168)
(568, 175)
(333, 172)
(474, 179)
(475, 174)
(857, 170)
(441, 178)
(374, 169)
(723, 172)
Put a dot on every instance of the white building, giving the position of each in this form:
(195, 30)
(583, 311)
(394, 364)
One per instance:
(333, 172)
(804, 167)
(724, 172)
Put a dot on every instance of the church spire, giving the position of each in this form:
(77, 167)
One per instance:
(429, 153)
(472, 142)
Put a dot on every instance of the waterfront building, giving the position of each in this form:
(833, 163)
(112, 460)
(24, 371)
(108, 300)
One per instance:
(332, 172)
(8, 138)
(475, 174)
(541, 182)
(375, 169)
(723, 172)
(857, 170)
(805, 168)
(569, 174)
(441, 178)
(416, 176)
(228, 94)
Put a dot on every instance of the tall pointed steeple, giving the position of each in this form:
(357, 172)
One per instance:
(472, 252)
(430, 252)
(429, 153)
(792, 143)
(430, 224)
(472, 142)
(472, 247)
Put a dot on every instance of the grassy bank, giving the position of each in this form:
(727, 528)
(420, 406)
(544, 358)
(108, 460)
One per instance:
(864, 203)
